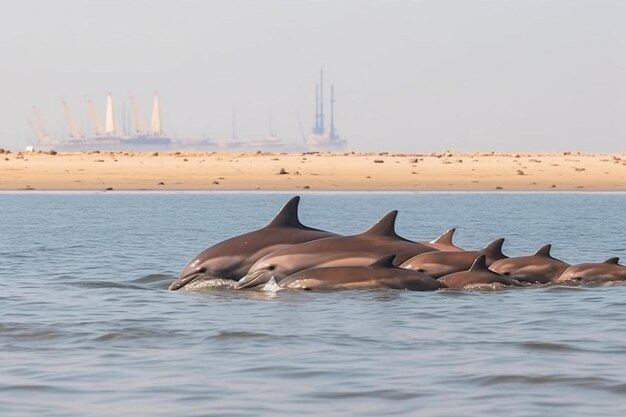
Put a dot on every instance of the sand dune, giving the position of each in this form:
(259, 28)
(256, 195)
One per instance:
(447, 171)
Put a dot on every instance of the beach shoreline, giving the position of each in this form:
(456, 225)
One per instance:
(317, 171)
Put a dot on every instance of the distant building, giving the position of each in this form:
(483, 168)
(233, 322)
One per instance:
(319, 138)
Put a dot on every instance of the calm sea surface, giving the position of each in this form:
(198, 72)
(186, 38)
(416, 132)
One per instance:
(88, 328)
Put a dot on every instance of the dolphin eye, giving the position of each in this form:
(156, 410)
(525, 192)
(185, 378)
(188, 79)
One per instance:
(271, 267)
(202, 270)
(420, 270)
(507, 273)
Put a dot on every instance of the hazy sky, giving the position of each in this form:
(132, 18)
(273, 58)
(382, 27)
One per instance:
(409, 75)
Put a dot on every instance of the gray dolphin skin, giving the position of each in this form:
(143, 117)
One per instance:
(380, 274)
(232, 258)
(596, 273)
(356, 250)
(438, 264)
(444, 242)
(478, 274)
(539, 268)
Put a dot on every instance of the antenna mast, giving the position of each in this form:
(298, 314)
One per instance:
(316, 128)
(140, 126)
(155, 123)
(95, 122)
(109, 123)
(71, 123)
(321, 128)
(42, 133)
(300, 125)
(333, 136)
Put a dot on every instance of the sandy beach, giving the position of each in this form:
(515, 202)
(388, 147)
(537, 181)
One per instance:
(341, 171)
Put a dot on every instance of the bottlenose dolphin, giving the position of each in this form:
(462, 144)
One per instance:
(232, 258)
(600, 273)
(539, 268)
(356, 250)
(477, 274)
(380, 274)
(443, 242)
(438, 264)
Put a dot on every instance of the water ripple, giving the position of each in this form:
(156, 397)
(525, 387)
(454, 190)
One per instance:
(103, 284)
(79, 339)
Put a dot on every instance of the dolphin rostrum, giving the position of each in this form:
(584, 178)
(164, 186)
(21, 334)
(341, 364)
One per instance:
(438, 264)
(232, 258)
(380, 274)
(478, 274)
(538, 268)
(597, 273)
(357, 250)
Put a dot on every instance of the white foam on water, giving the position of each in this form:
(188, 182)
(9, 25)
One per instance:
(209, 283)
(271, 286)
(496, 286)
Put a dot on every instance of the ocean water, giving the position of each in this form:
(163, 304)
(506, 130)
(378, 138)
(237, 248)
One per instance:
(88, 328)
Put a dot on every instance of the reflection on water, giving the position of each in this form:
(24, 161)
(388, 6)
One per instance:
(89, 329)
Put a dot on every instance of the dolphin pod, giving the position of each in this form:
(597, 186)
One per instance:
(379, 274)
(357, 250)
(438, 264)
(299, 257)
(478, 274)
(232, 258)
(540, 268)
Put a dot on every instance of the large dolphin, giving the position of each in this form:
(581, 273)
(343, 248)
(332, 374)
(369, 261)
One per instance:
(438, 264)
(380, 274)
(538, 268)
(232, 258)
(478, 274)
(598, 273)
(444, 242)
(356, 250)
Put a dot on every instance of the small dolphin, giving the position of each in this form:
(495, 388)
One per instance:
(477, 274)
(357, 250)
(599, 273)
(232, 258)
(438, 264)
(444, 242)
(380, 274)
(539, 268)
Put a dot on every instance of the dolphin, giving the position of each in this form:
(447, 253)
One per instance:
(357, 250)
(232, 258)
(478, 273)
(443, 242)
(599, 273)
(438, 264)
(538, 268)
(379, 274)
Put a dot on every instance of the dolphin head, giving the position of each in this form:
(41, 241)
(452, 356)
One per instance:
(574, 274)
(206, 266)
(607, 271)
(260, 276)
(186, 279)
(196, 269)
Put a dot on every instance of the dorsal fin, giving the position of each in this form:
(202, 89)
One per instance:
(288, 215)
(384, 262)
(544, 251)
(494, 249)
(385, 226)
(612, 261)
(480, 264)
(445, 238)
